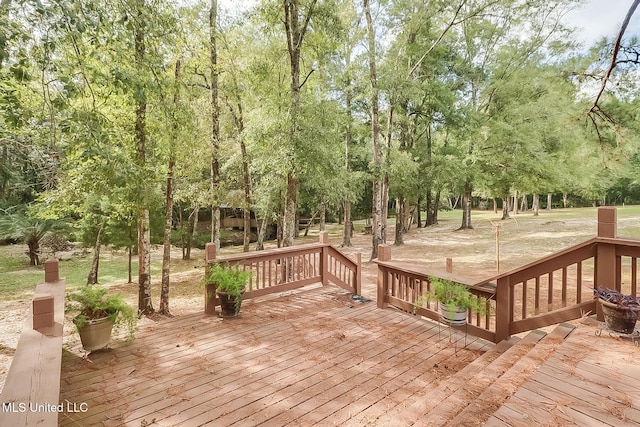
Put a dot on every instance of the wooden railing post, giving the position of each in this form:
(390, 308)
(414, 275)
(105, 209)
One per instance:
(608, 222)
(210, 253)
(51, 271)
(606, 263)
(358, 284)
(323, 238)
(503, 309)
(384, 254)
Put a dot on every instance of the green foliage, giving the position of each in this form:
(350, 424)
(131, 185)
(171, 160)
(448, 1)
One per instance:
(92, 302)
(22, 226)
(452, 295)
(229, 279)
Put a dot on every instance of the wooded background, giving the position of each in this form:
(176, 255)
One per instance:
(128, 119)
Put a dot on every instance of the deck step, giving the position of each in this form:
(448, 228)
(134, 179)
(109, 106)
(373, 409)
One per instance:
(455, 399)
(490, 400)
(432, 397)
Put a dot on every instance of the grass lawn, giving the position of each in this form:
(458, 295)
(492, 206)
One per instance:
(523, 239)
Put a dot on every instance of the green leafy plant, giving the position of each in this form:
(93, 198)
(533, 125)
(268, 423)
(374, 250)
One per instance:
(228, 279)
(92, 302)
(453, 296)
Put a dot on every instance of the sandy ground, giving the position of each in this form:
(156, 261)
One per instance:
(473, 253)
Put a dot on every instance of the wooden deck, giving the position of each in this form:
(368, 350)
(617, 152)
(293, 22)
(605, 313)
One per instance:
(315, 357)
(319, 358)
(589, 381)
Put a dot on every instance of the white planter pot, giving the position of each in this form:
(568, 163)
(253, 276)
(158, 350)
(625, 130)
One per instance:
(456, 317)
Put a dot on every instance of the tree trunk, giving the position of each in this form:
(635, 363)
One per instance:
(495, 206)
(144, 264)
(347, 230)
(215, 125)
(419, 212)
(565, 200)
(466, 206)
(549, 199)
(376, 213)
(261, 232)
(92, 278)
(385, 184)
(505, 207)
(525, 204)
(407, 215)
(295, 28)
(323, 216)
(399, 221)
(3, 177)
(432, 208)
(289, 223)
(130, 264)
(168, 205)
(192, 230)
(536, 204)
(310, 223)
(515, 203)
(429, 208)
(166, 250)
(436, 204)
(144, 245)
(279, 231)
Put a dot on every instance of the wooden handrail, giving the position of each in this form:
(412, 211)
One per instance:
(31, 392)
(555, 288)
(292, 267)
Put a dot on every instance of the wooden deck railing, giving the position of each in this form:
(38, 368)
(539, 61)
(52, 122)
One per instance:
(551, 290)
(285, 269)
(401, 285)
(31, 392)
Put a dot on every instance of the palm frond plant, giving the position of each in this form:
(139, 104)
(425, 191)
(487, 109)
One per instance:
(21, 226)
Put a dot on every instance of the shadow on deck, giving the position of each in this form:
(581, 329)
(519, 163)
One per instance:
(319, 358)
(305, 358)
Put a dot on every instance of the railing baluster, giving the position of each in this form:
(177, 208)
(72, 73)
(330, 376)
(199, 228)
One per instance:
(550, 292)
(579, 282)
(564, 286)
(524, 299)
(537, 297)
(634, 276)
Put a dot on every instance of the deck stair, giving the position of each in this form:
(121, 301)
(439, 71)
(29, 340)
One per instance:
(473, 394)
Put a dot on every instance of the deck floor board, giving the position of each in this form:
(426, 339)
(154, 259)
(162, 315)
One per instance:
(317, 358)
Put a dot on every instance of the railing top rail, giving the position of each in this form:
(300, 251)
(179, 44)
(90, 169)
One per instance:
(548, 258)
(342, 257)
(417, 270)
(271, 253)
(619, 241)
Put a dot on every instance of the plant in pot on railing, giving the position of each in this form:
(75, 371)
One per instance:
(228, 283)
(98, 314)
(454, 301)
(620, 310)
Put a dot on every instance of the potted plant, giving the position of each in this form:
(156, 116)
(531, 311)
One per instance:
(454, 300)
(228, 283)
(98, 314)
(620, 310)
